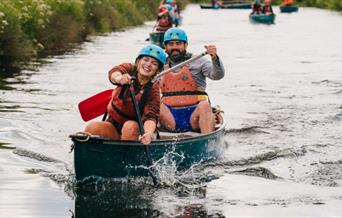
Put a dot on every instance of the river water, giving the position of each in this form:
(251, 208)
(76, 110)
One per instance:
(282, 97)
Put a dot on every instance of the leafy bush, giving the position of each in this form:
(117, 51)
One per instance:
(35, 28)
(15, 45)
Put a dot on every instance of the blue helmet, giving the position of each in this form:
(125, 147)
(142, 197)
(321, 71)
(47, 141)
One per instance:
(168, 1)
(154, 52)
(175, 34)
(169, 7)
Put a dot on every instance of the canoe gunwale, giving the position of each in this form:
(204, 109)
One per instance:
(76, 139)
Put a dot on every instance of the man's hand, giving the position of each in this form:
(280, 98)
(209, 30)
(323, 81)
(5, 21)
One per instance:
(212, 51)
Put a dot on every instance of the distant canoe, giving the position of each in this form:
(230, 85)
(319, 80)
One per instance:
(262, 18)
(157, 38)
(209, 6)
(228, 6)
(288, 9)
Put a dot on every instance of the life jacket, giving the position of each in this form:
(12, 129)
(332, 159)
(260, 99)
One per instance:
(288, 2)
(267, 9)
(179, 89)
(121, 108)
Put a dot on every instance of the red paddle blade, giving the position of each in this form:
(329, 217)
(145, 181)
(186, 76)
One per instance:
(95, 106)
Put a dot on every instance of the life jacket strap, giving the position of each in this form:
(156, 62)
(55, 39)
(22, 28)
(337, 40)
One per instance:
(144, 96)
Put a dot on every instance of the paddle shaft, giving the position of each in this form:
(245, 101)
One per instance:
(177, 66)
(136, 109)
(142, 131)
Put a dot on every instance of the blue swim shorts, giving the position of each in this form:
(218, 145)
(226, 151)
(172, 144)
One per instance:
(182, 117)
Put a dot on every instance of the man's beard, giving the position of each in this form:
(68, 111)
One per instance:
(178, 57)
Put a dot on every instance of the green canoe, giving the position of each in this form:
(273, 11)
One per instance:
(288, 9)
(157, 38)
(100, 157)
(228, 6)
(262, 18)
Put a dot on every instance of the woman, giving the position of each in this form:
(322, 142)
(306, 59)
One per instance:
(164, 20)
(122, 122)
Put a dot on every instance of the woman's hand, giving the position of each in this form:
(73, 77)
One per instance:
(120, 79)
(125, 79)
(146, 138)
(150, 127)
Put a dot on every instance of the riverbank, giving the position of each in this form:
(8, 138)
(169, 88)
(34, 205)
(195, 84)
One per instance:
(335, 5)
(30, 29)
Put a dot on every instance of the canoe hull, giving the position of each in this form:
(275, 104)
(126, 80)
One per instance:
(261, 18)
(288, 9)
(105, 158)
(228, 6)
(157, 38)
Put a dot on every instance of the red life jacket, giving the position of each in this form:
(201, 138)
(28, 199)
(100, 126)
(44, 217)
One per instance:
(267, 9)
(120, 107)
(180, 89)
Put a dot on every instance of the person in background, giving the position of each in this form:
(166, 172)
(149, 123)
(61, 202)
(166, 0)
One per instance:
(164, 20)
(256, 7)
(185, 105)
(288, 2)
(216, 3)
(267, 8)
(122, 121)
(176, 11)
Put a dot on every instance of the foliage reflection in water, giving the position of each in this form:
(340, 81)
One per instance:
(133, 198)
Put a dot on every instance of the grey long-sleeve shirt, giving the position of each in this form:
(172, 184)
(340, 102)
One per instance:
(202, 68)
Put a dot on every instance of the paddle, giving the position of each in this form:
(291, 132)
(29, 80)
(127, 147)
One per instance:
(96, 105)
(177, 66)
(142, 131)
